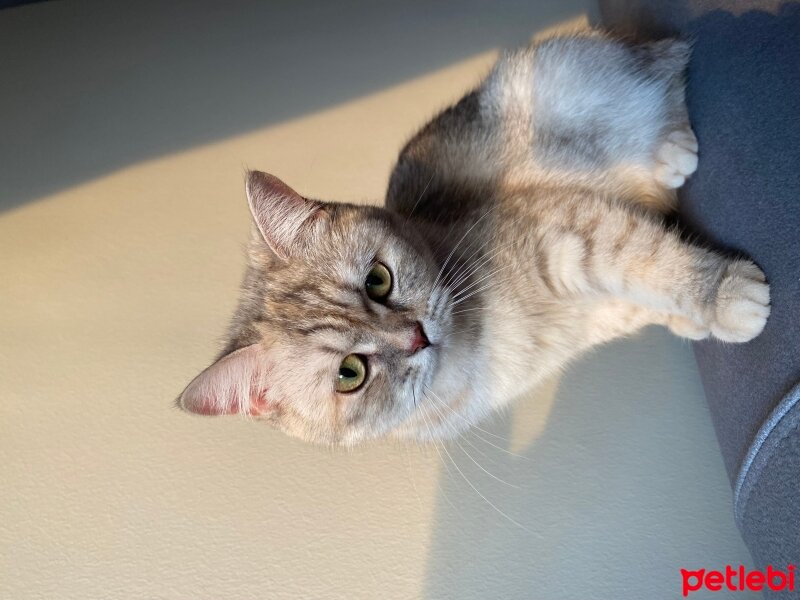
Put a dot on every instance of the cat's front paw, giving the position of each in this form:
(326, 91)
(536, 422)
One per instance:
(742, 304)
(676, 159)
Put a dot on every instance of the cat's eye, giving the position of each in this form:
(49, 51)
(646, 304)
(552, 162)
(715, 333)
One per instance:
(352, 373)
(379, 282)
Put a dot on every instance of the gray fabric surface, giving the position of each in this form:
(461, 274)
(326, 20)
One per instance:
(766, 498)
(744, 102)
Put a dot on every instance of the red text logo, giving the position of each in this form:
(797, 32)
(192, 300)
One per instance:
(738, 580)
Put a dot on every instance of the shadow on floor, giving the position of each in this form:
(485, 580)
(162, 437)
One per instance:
(624, 463)
(92, 86)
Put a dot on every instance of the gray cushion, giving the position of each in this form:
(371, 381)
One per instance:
(766, 490)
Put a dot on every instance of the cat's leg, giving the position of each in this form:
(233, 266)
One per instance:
(611, 318)
(615, 318)
(607, 115)
(591, 248)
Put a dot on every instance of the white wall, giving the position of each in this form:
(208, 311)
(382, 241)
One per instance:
(122, 218)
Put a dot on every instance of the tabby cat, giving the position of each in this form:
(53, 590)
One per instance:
(522, 226)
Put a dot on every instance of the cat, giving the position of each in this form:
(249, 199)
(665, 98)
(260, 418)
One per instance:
(522, 226)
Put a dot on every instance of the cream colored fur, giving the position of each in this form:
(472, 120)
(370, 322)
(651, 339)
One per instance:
(523, 226)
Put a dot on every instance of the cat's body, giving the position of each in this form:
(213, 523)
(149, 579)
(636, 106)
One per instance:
(522, 226)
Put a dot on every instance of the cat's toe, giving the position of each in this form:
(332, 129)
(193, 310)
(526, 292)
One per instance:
(686, 328)
(676, 159)
(742, 303)
(684, 138)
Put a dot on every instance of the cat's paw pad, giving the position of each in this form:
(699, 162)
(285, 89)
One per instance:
(686, 328)
(742, 303)
(676, 159)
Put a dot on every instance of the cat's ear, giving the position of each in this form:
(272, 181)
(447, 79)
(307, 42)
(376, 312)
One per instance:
(236, 383)
(288, 222)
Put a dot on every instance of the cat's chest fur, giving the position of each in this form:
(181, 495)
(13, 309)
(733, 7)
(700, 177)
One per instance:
(526, 296)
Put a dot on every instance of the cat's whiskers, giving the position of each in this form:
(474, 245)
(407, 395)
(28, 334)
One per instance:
(460, 332)
(446, 237)
(463, 237)
(413, 208)
(432, 438)
(474, 308)
(467, 264)
(459, 434)
(438, 288)
(453, 299)
(475, 283)
(474, 267)
(443, 272)
(473, 427)
(477, 491)
(407, 464)
(479, 290)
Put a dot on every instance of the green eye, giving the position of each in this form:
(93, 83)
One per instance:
(379, 282)
(352, 373)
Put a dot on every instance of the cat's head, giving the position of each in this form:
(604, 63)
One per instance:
(341, 326)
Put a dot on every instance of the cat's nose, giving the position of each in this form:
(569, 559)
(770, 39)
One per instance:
(419, 340)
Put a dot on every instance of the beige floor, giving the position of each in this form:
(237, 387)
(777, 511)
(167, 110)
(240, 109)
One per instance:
(124, 134)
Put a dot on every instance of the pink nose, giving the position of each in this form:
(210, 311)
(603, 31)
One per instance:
(419, 341)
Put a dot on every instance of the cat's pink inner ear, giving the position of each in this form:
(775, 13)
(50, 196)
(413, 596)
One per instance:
(236, 383)
(285, 219)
